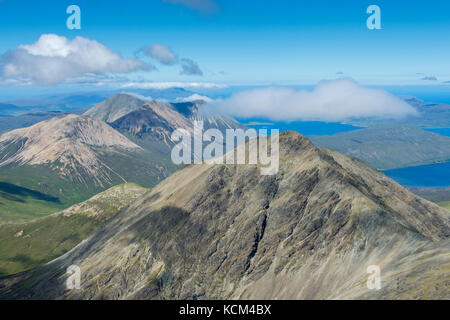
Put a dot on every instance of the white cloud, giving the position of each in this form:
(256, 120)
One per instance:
(166, 56)
(169, 85)
(190, 67)
(162, 53)
(194, 97)
(336, 100)
(54, 59)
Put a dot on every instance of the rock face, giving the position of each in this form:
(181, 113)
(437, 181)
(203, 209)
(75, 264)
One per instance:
(226, 232)
(151, 124)
(194, 111)
(153, 121)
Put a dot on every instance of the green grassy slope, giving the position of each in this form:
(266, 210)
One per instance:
(19, 204)
(58, 191)
(46, 181)
(29, 244)
(445, 204)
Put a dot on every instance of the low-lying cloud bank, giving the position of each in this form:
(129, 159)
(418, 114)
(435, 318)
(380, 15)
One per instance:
(194, 97)
(336, 100)
(170, 85)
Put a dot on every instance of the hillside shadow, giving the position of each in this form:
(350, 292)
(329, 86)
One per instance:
(16, 193)
(23, 259)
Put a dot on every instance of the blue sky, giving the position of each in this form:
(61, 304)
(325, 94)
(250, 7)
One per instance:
(253, 42)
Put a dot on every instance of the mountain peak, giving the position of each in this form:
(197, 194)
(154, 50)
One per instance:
(69, 140)
(115, 107)
(292, 140)
(154, 118)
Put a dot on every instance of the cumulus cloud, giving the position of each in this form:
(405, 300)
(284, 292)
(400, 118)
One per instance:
(166, 56)
(207, 6)
(54, 59)
(335, 100)
(169, 85)
(190, 67)
(162, 53)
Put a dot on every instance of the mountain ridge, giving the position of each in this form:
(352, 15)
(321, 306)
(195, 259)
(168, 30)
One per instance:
(226, 232)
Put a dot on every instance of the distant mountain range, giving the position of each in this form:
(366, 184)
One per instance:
(8, 110)
(29, 119)
(52, 154)
(81, 100)
(70, 157)
(389, 146)
(226, 232)
(151, 123)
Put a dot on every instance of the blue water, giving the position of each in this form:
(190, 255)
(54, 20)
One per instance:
(306, 128)
(443, 131)
(433, 175)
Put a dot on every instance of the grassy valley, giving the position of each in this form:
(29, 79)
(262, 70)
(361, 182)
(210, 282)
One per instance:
(29, 244)
(18, 203)
(445, 204)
